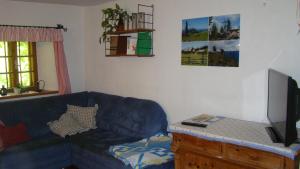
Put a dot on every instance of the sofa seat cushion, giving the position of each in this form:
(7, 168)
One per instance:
(34, 144)
(99, 140)
(48, 152)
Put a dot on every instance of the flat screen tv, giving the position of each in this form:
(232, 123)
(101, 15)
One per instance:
(282, 107)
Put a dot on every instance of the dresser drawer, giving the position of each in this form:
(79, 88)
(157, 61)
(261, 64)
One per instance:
(198, 145)
(194, 161)
(253, 157)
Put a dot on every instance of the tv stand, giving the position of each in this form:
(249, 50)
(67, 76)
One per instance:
(274, 137)
(230, 144)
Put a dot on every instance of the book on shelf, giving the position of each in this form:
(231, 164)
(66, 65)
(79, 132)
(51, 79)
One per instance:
(122, 45)
(118, 45)
(126, 23)
(134, 21)
(144, 43)
(113, 45)
(131, 46)
(141, 20)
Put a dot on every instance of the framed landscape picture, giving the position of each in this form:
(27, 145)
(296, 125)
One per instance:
(211, 41)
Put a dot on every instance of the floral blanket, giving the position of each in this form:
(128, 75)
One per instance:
(152, 151)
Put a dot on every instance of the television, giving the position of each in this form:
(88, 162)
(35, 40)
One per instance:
(283, 106)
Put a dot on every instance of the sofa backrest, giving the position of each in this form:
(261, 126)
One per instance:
(125, 116)
(35, 113)
(128, 116)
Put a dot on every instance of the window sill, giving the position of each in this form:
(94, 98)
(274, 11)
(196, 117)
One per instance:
(27, 94)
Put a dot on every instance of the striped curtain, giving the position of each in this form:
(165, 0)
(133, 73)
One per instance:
(8, 33)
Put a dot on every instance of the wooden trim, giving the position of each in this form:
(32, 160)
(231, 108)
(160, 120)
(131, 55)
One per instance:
(33, 64)
(27, 94)
(12, 56)
(15, 79)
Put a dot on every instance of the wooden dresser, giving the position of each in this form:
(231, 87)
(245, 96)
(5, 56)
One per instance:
(193, 152)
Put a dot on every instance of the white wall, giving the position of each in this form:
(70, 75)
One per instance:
(268, 39)
(22, 13)
(46, 65)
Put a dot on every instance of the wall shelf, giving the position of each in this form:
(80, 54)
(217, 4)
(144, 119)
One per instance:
(131, 31)
(136, 40)
(130, 55)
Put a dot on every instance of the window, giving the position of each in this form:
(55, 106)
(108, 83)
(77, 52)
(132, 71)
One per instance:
(18, 64)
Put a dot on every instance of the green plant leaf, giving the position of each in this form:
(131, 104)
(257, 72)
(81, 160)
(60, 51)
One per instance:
(110, 20)
(117, 6)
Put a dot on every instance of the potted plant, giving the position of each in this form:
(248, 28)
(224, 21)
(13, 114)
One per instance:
(18, 89)
(113, 20)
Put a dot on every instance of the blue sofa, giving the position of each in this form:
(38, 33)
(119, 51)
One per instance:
(119, 120)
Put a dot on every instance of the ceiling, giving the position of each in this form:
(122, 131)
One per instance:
(68, 2)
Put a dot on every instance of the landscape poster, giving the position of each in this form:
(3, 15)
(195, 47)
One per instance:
(211, 41)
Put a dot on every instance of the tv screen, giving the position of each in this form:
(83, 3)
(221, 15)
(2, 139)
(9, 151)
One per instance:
(282, 112)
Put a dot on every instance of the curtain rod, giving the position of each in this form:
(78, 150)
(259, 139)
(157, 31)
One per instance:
(59, 26)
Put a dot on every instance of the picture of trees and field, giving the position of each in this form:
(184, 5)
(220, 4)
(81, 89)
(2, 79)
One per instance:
(211, 41)
(195, 30)
(195, 53)
(224, 53)
(225, 27)
(195, 42)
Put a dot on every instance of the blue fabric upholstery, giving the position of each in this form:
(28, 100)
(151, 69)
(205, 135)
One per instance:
(50, 152)
(90, 151)
(129, 116)
(119, 120)
(35, 113)
(85, 159)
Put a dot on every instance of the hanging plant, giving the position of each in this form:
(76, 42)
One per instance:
(113, 20)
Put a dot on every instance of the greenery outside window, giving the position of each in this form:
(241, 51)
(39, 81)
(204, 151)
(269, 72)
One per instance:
(18, 65)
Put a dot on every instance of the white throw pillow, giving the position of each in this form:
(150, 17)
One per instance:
(85, 116)
(66, 125)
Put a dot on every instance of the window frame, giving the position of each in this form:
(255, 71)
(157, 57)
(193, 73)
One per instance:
(12, 60)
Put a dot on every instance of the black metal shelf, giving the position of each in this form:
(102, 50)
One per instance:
(146, 25)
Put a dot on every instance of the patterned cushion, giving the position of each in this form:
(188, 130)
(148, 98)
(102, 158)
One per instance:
(155, 150)
(66, 125)
(85, 116)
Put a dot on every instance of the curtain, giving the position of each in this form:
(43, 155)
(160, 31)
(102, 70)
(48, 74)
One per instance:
(8, 33)
(64, 85)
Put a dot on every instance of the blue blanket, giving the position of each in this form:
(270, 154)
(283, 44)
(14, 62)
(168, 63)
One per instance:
(152, 151)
